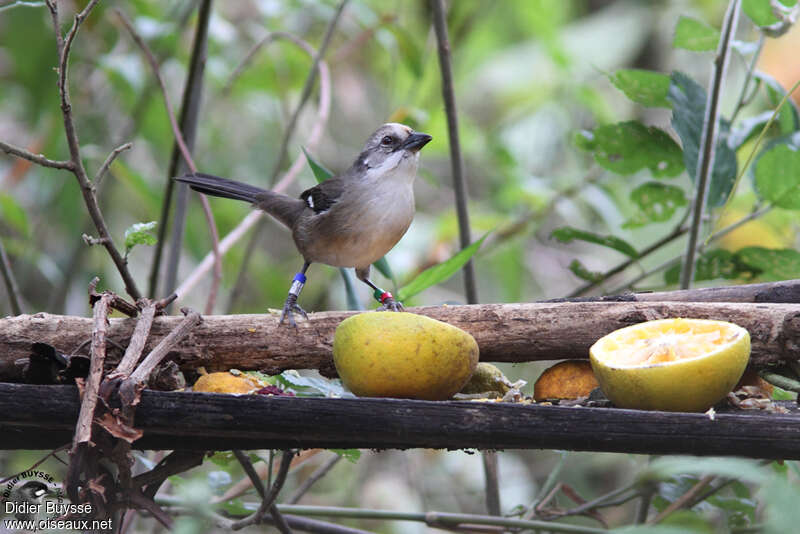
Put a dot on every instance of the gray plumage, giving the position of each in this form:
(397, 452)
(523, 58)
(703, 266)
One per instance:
(349, 220)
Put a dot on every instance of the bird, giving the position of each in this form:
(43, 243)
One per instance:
(350, 220)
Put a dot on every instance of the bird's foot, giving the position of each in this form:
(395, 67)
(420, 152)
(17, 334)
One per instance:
(289, 309)
(388, 302)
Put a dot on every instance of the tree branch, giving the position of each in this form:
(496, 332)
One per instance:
(101, 172)
(456, 160)
(77, 168)
(35, 158)
(14, 296)
(708, 142)
(179, 138)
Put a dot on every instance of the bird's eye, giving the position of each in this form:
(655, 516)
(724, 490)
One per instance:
(387, 140)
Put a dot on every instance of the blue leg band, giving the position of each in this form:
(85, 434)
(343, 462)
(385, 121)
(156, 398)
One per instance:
(297, 284)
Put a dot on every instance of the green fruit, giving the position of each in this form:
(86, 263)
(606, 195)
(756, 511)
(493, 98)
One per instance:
(405, 355)
(486, 378)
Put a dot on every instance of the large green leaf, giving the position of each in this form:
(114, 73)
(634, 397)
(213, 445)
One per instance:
(688, 110)
(738, 468)
(777, 176)
(644, 87)
(440, 272)
(711, 265)
(695, 35)
(567, 234)
(788, 117)
(628, 147)
(771, 265)
(657, 202)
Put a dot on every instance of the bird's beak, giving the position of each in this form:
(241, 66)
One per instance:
(415, 142)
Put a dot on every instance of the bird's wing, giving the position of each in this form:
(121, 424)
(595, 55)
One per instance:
(321, 197)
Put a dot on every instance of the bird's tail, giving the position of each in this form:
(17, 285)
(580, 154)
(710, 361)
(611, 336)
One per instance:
(221, 187)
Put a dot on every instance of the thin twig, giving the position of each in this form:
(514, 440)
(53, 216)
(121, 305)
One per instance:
(269, 499)
(35, 158)
(742, 101)
(708, 142)
(490, 472)
(683, 500)
(12, 290)
(139, 377)
(320, 472)
(700, 248)
(676, 232)
(250, 471)
(83, 429)
(137, 342)
(87, 190)
(437, 519)
(306, 91)
(456, 160)
(146, 503)
(181, 142)
(38, 463)
(101, 172)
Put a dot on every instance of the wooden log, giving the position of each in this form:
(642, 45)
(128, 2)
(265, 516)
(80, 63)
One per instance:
(44, 417)
(504, 332)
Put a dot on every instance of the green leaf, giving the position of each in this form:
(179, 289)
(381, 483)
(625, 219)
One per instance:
(788, 117)
(669, 466)
(14, 215)
(628, 147)
(223, 458)
(711, 265)
(440, 272)
(644, 87)
(568, 234)
(579, 270)
(351, 455)
(689, 105)
(657, 202)
(383, 267)
(695, 35)
(760, 11)
(747, 129)
(777, 176)
(780, 497)
(139, 234)
(310, 386)
(353, 302)
(771, 265)
(410, 52)
(320, 172)
(782, 394)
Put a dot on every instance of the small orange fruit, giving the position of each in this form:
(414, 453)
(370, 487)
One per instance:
(569, 379)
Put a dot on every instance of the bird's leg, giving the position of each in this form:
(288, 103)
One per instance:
(387, 300)
(291, 306)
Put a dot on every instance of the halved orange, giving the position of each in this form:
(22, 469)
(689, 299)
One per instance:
(680, 365)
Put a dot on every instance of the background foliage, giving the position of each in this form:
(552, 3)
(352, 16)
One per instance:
(580, 127)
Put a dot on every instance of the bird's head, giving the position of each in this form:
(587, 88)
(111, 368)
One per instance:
(391, 145)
